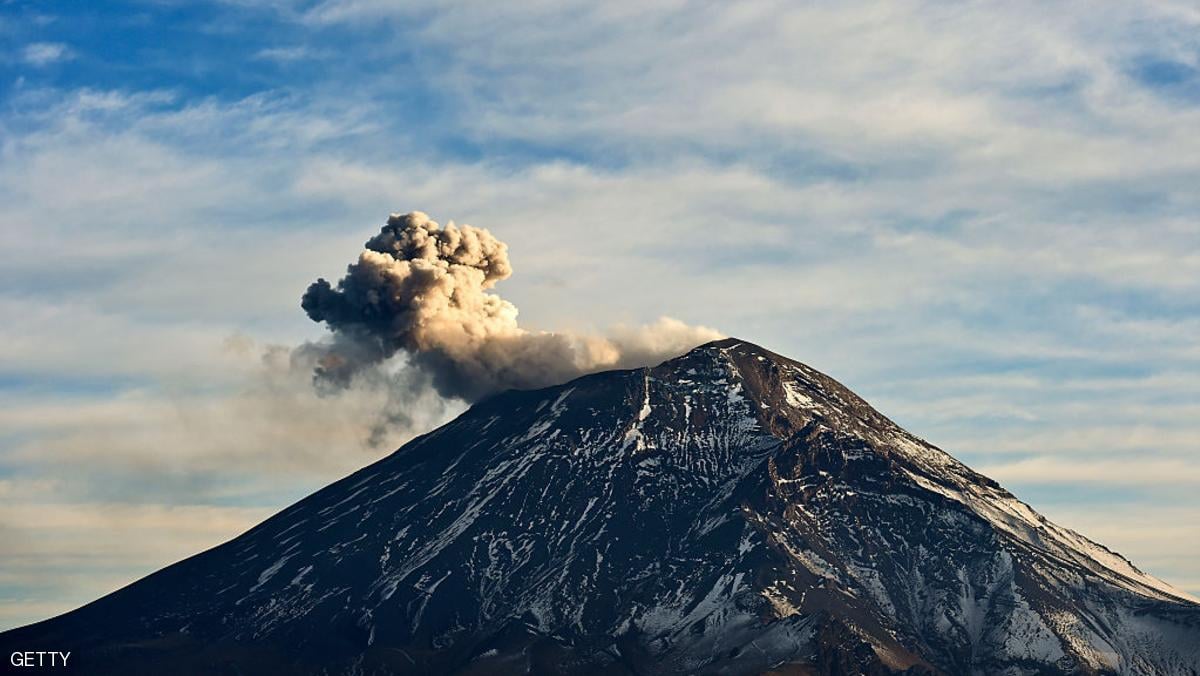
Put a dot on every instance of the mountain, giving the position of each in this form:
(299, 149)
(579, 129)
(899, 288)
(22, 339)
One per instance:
(730, 511)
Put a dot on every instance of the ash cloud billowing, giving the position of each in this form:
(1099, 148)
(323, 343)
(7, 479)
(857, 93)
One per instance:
(424, 291)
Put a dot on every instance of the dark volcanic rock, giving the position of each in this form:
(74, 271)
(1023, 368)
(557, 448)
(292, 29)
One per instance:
(727, 512)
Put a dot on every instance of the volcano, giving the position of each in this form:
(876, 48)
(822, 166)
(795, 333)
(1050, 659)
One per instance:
(729, 511)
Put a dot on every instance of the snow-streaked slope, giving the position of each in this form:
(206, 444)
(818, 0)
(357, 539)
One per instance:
(729, 511)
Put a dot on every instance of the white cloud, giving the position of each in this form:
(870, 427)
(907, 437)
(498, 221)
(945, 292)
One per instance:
(46, 53)
(1136, 471)
(911, 85)
(285, 54)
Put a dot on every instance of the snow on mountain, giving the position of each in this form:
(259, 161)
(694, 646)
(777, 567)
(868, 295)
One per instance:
(730, 511)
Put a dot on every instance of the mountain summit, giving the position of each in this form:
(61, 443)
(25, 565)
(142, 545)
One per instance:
(729, 511)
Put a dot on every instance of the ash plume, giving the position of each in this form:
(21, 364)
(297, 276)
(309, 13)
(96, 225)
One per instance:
(424, 291)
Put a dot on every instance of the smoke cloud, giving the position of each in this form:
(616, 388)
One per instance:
(424, 291)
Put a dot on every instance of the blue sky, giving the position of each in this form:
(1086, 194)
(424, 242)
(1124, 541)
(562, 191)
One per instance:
(982, 218)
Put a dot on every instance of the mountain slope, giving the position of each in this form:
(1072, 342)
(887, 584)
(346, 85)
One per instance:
(729, 511)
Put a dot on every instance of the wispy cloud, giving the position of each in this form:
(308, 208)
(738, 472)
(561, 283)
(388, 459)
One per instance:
(288, 54)
(1130, 471)
(46, 53)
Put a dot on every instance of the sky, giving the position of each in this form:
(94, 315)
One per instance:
(981, 217)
